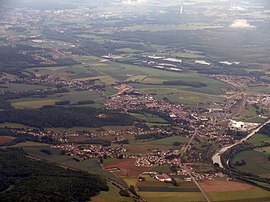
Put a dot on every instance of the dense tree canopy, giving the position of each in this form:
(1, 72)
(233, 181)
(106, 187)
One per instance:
(24, 179)
(64, 117)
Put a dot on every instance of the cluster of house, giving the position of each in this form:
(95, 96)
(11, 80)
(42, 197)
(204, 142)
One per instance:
(52, 81)
(206, 121)
(42, 135)
(239, 81)
(206, 176)
(263, 100)
(168, 177)
(127, 103)
(90, 151)
(157, 158)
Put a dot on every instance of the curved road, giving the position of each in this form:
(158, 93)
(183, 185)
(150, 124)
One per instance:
(217, 157)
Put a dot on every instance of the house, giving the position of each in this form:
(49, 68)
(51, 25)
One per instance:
(163, 178)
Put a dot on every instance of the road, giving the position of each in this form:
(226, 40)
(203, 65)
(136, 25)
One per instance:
(187, 146)
(217, 157)
(195, 181)
(187, 169)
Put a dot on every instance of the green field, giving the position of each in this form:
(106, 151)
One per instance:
(124, 72)
(256, 162)
(167, 141)
(149, 118)
(252, 195)
(111, 196)
(173, 196)
(166, 189)
(67, 72)
(75, 96)
(162, 169)
(30, 144)
(19, 87)
(72, 96)
(181, 95)
(12, 125)
(248, 114)
(264, 150)
(32, 103)
(152, 185)
(135, 147)
(259, 139)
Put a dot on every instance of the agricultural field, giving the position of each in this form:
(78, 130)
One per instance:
(259, 139)
(66, 72)
(6, 139)
(124, 168)
(36, 145)
(168, 141)
(256, 162)
(19, 87)
(145, 75)
(161, 169)
(250, 114)
(264, 150)
(73, 96)
(153, 83)
(183, 96)
(224, 190)
(12, 125)
(173, 196)
(111, 196)
(32, 103)
(137, 147)
(152, 185)
(149, 118)
(223, 185)
(251, 195)
(142, 147)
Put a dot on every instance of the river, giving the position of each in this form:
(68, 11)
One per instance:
(217, 157)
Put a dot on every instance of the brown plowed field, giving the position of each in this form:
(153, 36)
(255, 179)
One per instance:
(126, 166)
(4, 140)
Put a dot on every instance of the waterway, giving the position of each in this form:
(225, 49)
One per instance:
(217, 157)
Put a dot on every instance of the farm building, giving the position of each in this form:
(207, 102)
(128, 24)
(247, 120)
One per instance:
(163, 178)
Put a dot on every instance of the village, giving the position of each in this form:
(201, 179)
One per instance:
(54, 82)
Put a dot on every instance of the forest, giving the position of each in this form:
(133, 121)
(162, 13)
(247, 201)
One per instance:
(66, 117)
(26, 180)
